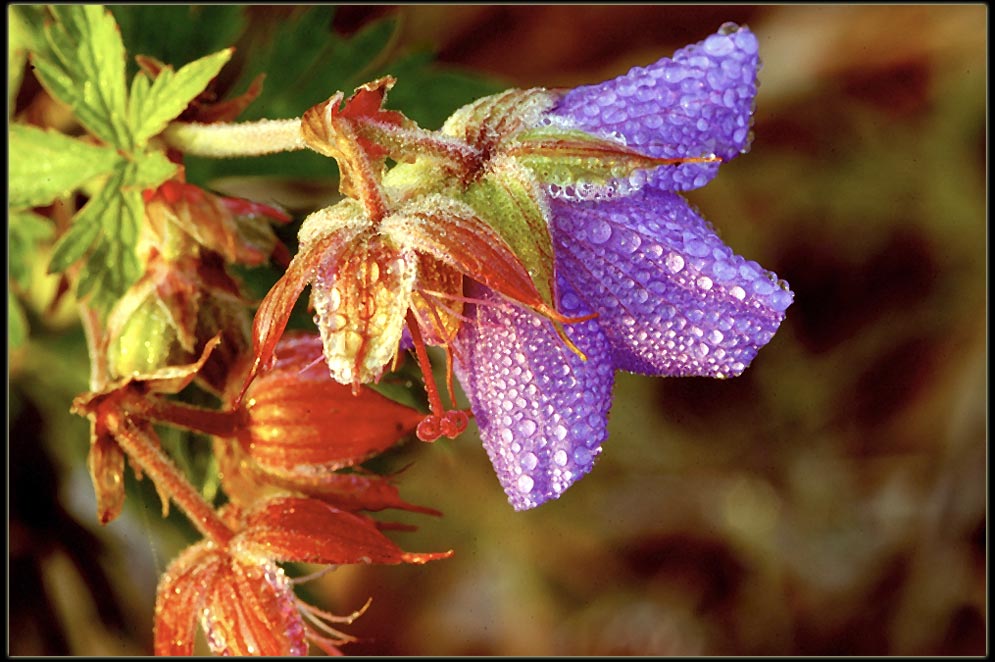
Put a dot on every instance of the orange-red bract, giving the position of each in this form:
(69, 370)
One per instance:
(243, 600)
(300, 422)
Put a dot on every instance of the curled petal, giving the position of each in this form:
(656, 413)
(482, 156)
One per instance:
(670, 296)
(542, 411)
(181, 595)
(311, 531)
(698, 103)
(302, 424)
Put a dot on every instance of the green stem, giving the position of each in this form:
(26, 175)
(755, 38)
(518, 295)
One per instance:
(224, 140)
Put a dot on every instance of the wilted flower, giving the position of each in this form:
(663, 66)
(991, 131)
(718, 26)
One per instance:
(538, 237)
(244, 601)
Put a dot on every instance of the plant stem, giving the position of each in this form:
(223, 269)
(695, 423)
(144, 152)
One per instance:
(168, 479)
(190, 417)
(226, 140)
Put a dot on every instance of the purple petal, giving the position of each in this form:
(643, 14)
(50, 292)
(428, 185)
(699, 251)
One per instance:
(671, 297)
(541, 410)
(697, 104)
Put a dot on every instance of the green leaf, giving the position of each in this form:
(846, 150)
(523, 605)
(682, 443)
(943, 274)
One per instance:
(83, 66)
(151, 108)
(47, 164)
(287, 53)
(107, 227)
(149, 171)
(26, 230)
(17, 323)
(74, 244)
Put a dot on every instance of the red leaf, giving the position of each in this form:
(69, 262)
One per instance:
(353, 492)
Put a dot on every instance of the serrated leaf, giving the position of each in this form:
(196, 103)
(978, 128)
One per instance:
(150, 108)
(149, 171)
(26, 230)
(83, 66)
(47, 164)
(109, 224)
(74, 244)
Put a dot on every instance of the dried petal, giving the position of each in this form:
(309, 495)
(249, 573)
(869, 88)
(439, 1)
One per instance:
(323, 236)
(452, 232)
(251, 609)
(106, 464)
(361, 299)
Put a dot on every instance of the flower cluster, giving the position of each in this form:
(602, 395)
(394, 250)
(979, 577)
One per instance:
(540, 238)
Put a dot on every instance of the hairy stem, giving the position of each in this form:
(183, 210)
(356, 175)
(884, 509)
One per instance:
(156, 464)
(228, 140)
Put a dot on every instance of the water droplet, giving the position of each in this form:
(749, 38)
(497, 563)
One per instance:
(705, 283)
(529, 461)
(674, 262)
(600, 232)
(560, 457)
(527, 427)
(715, 336)
(737, 292)
(525, 484)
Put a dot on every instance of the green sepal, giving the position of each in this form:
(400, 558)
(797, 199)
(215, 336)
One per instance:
(565, 157)
(509, 199)
(46, 164)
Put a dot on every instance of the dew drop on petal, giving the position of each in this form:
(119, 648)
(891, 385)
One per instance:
(600, 232)
(674, 262)
(525, 484)
(560, 457)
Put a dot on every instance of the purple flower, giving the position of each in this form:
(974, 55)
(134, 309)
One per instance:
(670, 298)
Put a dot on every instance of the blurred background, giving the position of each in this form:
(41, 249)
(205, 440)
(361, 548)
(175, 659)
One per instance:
(831, 501)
